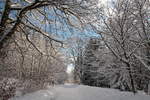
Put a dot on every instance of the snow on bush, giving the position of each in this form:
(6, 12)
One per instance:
(7, 88)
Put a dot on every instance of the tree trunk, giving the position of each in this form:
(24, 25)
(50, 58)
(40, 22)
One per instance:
(148, 92)
(133, 88)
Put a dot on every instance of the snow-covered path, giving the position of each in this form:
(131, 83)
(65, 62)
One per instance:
(81, 92)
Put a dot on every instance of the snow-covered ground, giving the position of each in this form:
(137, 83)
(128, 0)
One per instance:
(81, 92)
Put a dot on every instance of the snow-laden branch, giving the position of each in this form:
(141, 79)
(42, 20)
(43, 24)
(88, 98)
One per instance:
(141, 60)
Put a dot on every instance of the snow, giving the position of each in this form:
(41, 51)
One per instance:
(39, 95)
(81, 92)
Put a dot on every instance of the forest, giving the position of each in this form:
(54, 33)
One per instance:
(107, 42)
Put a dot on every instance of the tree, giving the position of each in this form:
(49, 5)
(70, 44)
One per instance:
(32, 69)
(88, 67)
(123, 33)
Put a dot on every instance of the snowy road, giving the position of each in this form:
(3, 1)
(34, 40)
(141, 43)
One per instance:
(81, 92)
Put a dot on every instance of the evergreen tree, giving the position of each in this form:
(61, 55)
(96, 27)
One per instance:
(90, 66)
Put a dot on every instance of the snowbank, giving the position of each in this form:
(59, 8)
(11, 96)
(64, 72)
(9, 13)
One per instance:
(81, 92)
(39, 95)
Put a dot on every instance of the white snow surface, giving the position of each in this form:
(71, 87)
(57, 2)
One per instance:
(81, 92)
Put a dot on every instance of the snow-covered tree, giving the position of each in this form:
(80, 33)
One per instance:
(125, 33)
